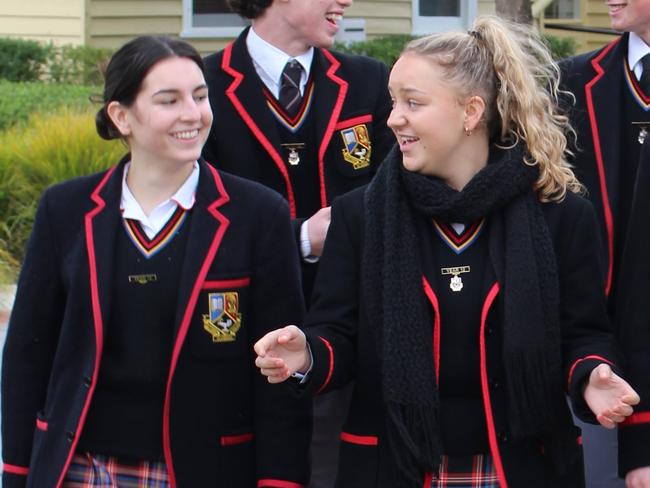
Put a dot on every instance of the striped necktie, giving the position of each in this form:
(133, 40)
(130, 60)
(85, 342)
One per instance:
(290, 97)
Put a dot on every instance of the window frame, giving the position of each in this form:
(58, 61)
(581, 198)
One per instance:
(215, 32)
(422, 25)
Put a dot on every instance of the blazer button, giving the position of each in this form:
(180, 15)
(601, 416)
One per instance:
(69, 436)
(502, 436)
(87, 381)
(494, 383)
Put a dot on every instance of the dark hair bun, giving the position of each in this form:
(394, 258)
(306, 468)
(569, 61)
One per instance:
(251, 9)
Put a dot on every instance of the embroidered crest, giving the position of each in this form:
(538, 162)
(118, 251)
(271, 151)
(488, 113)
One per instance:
(224, 319)
(356, 146)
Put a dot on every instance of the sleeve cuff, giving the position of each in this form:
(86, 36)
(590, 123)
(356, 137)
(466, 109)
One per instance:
(305, 245)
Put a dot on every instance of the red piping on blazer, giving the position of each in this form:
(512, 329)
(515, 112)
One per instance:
(336, 111)
(494, 447)
(578, 361)
(97, 311)
(239, 283)
(344, 124)
(636, 419)
(361, 440)
(13, 469)
(595, 134)
(436, 326)
(187, 315)
(331, 368)
(277, 159)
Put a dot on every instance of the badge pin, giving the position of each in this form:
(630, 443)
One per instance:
(293, 158)
(143, 279)
(643, 130)
(223, 320)
(356, 146)
(456, 282)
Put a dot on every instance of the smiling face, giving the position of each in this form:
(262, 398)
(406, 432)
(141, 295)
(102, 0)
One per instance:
(307, 23)
(427, 117)
(631, 16)
(170, 119)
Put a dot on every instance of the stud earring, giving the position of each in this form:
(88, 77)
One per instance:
(467, 131)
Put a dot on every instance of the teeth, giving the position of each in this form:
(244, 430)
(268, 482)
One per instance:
(188, 134)
(334, 17)
(406, 140)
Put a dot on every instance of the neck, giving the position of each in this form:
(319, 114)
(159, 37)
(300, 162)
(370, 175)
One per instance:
(471, 159)
(273, 30)
(152, 183)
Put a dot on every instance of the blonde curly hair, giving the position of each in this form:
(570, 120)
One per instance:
(512, 70)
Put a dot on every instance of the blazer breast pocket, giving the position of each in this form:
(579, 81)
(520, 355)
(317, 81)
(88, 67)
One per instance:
(352, 140)
(219, 326)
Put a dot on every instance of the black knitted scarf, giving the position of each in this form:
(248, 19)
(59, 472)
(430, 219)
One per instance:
(521, 252)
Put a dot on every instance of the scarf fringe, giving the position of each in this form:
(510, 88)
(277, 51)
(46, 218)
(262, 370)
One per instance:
(412, 431)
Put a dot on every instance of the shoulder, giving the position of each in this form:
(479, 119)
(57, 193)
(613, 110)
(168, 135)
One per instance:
(581, 65)
(76, 189)
(571, 217)
(354, 63)
(213, 61)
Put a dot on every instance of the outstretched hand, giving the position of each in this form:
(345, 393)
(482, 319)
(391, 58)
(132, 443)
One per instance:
(609, 396)
(282, 352)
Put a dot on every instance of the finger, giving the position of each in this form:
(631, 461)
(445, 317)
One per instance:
(605, 421)
(623, 409)
(287, 334)
(279, 378)
(604, 372)
(631, 398)
(269, 362)
(265, 343)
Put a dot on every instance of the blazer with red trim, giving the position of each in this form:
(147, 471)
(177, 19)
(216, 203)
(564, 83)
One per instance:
(349, 91)
(224, 425)
(596, 79)
(343, 346)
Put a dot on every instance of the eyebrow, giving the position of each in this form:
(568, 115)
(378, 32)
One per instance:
(411, 90)
(169, 91)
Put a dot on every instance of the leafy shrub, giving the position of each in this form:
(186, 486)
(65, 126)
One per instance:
(19, 100)
(386, 49)
(48, 149)
(21, 60)
(561, 47)
(77, 64)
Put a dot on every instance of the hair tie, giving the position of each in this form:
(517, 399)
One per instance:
(475, 34)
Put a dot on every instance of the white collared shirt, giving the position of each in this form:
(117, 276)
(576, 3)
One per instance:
(156, 220)
(636, 49)
(269, 61)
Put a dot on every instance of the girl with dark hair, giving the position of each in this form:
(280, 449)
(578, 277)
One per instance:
(461, 288)
(128, 358)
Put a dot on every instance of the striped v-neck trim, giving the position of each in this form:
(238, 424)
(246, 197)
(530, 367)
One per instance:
(149, 247)
(642, 99)
(292, 124)
(459, 242)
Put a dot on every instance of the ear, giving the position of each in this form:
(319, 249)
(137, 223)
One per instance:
(119, 116)
(474, 109)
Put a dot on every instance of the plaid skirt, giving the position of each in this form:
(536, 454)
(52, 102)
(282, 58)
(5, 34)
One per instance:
(466, 472)
(98, 471)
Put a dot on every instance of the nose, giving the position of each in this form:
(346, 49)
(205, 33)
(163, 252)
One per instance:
(191, 111)
(395, 118)
(344, 3)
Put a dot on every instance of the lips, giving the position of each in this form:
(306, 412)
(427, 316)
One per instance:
(186, 134)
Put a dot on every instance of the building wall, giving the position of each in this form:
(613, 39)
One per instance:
(58, 21)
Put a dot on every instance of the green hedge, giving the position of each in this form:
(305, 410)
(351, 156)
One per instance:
(19, 100)
(388, 48)
(24, 60)
(49, 148)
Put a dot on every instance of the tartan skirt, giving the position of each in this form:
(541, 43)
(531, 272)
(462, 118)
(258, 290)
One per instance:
(98, 471)
(466, 472)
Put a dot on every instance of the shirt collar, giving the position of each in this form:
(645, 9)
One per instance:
(636, 49)
(184, 196)
(272, 60)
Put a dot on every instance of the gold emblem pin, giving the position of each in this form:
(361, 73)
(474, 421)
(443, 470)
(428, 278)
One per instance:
(456, 282)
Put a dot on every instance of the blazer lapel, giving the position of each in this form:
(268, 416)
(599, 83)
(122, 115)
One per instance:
(246, 96)
(207, 228)
(330, 93)
(101, 227)
(603, 94)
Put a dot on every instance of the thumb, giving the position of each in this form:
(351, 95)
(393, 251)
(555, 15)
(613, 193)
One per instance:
(604, 372)
(266, 342)
(288, 334)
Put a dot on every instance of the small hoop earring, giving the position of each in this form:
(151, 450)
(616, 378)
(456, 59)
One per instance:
(467, 131)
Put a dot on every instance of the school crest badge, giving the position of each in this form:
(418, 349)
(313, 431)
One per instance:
(223, 320)
(356, 146)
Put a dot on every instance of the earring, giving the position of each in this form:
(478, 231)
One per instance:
(467, 131)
